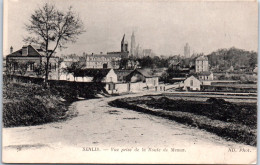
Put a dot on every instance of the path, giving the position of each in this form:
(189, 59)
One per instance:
(107, 129)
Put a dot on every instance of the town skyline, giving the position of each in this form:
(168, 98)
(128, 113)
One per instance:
(165, 32)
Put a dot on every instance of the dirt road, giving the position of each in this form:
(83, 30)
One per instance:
(101, 133)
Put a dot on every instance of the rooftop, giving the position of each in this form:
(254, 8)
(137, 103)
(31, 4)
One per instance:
(98, 73)
(202, 58)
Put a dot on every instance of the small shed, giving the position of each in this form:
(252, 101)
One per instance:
(143, 75)
(192, 83)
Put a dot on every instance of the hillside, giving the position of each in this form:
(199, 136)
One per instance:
(223, 59)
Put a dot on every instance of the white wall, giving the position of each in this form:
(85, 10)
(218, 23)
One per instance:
(195, 86)
(84, 79)
(120, 88)
(136, 87)
(111, 77)
(154, 81)
(67, 77)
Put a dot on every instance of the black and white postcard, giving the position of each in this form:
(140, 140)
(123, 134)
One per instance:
(130, 81)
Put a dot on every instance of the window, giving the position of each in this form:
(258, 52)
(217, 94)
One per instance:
(111, 86)
(191, 82)
(31, 66)
(15, 65)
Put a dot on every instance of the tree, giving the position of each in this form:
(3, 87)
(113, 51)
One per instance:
(22, 67)
(51, 28)
(39, 70)
(123, 63)
(75, 67)
(253, 60)
(10, 64)
(14, 66)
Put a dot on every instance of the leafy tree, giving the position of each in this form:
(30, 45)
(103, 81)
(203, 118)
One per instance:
(10, 66)
(51, 28)
(146, 62)
(253, 59)
(39, 70)
(21, 67)
(223, 59)
(75, 67)
(123, 63)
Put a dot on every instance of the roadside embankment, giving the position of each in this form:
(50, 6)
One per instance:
(236, 122)
(26, 104)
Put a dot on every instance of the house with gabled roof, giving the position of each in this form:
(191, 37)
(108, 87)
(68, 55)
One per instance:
(192, 84)
(28, 60)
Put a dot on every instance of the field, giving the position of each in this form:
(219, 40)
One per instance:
(236, 120)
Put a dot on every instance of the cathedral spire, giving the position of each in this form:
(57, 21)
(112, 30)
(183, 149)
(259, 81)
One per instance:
(123, 39)
(124, 45)
(132, 50)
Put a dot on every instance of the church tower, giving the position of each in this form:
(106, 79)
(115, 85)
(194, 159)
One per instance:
(187, 51)
(132, 50)
(124, 45)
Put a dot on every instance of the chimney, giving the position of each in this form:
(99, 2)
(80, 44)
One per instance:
(11, 50)
(25, 51)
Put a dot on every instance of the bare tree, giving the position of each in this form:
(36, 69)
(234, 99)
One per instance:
(51, 28)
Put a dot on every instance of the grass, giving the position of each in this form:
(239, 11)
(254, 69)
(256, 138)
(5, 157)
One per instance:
(25, 105)
(237, 122)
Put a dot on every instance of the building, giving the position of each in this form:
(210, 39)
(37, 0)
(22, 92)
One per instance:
(187, 51)
(109, 60)
(175, 65)
(206, 76)
(70, 59)
(122, 73)
(192, 84)
(133, 49)
(124, 45)
(96, 75)
(139, 51)
(98, 61)
(147, 52)
(202, 64)
(144, 76)
(30, 61)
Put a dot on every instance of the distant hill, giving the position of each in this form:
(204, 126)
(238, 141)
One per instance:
(223, 59)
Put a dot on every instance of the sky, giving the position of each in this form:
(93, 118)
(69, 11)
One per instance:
(164, 26)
